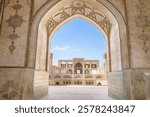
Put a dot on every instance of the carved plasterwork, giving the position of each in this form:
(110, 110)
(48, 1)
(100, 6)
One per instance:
(80, 8)
(143, 22)
(10, 90)
(15, 22)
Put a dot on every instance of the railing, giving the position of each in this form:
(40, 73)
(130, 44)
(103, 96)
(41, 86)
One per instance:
(79, 76)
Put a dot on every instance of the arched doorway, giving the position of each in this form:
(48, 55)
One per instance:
(78, 69)
(105, 16)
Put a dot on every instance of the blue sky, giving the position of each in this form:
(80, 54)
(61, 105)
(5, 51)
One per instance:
(78, 39)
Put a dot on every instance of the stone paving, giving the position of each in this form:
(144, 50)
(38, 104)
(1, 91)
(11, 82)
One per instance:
(78, 93)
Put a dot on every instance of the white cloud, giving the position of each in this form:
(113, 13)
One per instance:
(61, 48)
(77, 50)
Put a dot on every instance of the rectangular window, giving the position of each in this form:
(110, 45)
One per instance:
(93, 66)
(94, 71)
(87, 66)
(63, 65)
(69, 65)
(78, 72)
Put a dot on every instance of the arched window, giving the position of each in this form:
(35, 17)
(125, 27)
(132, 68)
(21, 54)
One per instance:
(78, 68)
(69, 71)
(87, 71)
(63, 71)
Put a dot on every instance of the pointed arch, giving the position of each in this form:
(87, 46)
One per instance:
(78, 68)
(117, 41)
(108, 9)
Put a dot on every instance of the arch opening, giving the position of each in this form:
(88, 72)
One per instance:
(114, 38)
(78, 68)
(77, 33)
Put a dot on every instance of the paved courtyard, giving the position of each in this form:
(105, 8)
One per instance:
(78, 93)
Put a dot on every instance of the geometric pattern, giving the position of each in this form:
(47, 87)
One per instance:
(12, 47)
(146, 41)
(13, 36)
(11, 89)
(142, 21)
(79, 8)
(15, 22)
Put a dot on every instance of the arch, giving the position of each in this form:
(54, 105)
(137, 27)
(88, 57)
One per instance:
(57, 83)
(87, 71)
(106, 35)
(78, 68)
(82, 10)
(117, 42)
(69, 71)
(108, 9)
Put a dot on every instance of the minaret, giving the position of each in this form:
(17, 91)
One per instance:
(51, 59)
(105, 64)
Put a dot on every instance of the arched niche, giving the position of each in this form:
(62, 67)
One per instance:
(78, 68)
(69, 71)
(87, 71)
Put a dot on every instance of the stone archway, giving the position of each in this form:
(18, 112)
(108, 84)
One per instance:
(25, 71)
(112, 24)
(25, 38)
(78, 68)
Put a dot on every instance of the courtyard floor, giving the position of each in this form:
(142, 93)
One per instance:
(78, 93)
